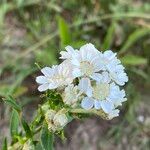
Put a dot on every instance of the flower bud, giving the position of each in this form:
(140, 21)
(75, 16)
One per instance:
(56, 120)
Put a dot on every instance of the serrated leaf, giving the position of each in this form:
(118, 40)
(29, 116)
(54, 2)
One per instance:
(133, 38)
(14, 123)
(26, 128)
(11, 102)
(4, 146)
(47, 139)
(64, 31)
(133, 60)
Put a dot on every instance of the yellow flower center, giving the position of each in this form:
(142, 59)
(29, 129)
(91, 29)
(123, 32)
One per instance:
(86, 68)
(101, 91)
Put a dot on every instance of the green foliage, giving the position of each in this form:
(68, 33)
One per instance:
(46, 139)
(26, 128)
(4, 146)
(14, 123)
(64, 32)
(133, 60)
(11, 102)
(109, 37)
(133, 37)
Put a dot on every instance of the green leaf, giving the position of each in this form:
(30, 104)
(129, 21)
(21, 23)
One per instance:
(109, 37)
(26, 128)
(133, 38)
(133, 60)
(64, 31)
(11, 102)
(4, 146)
(14, 123)
(47, 139)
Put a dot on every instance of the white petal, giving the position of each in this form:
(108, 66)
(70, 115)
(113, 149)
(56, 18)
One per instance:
(97, 104)
(109, 54)
(76, 72)
(96, 76)
(43, 87)
(87, 103)
(41, 80)
(47, 71)
(107, 106)
(52, 86)
(69, 49)
(75, 62)
(85, 86)
(113, 114)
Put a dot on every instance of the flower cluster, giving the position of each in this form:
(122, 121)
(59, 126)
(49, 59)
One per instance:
(90, 79)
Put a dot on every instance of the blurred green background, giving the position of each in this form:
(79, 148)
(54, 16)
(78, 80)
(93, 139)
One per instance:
(35, 31)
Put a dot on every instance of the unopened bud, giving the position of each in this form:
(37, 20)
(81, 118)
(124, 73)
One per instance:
(56, 120)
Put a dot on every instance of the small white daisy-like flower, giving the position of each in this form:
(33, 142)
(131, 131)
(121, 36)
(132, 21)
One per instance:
(55, 77)
(69, 53)
(106, 96)
(86, 61)
(71, 95)
(114, 67)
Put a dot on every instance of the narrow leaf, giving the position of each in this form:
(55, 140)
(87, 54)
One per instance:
(64, 31)
(133, 38)
(133, 60)
(109, 37)
(47, 139)
(26, 128)
(11, 102)
(14, 123)
(4, 146)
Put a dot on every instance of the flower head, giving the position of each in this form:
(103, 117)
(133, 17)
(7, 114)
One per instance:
(57, 76)
(71, 95)
(114, 67)
(106, 96)
(89, 79)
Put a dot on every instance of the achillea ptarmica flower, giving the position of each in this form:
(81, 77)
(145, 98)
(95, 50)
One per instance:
(71, 95)
(105, 96)
(90, 79)
(57, 76)
(86, 61)
(114, 67)
(56, 120)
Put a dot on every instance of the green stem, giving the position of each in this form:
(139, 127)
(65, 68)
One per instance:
(91, 111)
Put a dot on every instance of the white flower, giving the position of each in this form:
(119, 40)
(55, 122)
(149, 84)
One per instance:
(113, 113)
(85, 86)
(69, 54)
(106, 96)
(55, 77)
(71, 95)
(87, 62)
(114, 67)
